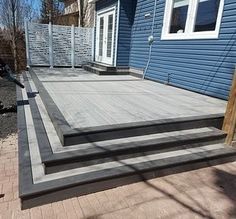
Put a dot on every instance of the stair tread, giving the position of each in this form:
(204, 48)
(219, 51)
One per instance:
(154, 144)
(148, 159)
(98, 63)
(119, 168)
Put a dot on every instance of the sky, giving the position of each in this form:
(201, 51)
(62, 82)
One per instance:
(36, 3)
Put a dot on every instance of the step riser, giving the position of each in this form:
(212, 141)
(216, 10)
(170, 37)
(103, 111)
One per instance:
(103, 67)
(90, 69)
(71, 163)
(144, 130)
(103, 71)
(137, 75)
(107, 70)
(73, 190)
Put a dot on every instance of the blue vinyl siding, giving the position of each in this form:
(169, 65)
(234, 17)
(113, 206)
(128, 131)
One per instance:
(127, 10)
(204, 66)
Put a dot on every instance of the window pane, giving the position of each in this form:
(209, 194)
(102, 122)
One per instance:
(207, 15)
(101, 36)
(109, 35)
(179, 16)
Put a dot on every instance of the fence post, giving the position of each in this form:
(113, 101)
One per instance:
(50, 44)
(93, 46)
(73, 46)
(230, 115)
(27, 43)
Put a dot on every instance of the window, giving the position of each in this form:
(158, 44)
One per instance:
(206, 17)
(109, 35)
(179, 16)
(101, 36)
(192, 19)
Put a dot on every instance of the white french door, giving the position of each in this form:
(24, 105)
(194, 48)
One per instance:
(105, 32)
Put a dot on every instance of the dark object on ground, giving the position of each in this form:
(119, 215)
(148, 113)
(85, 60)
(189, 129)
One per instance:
(2, 195)
(8, 120)
(6, 72)
(11, 109)
(1, 105)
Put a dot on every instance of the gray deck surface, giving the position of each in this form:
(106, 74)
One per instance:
(90, 100)
(37, 166)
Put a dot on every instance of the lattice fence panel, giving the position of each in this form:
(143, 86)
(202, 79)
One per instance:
(61, 45)
(83, 45)
(38, 44)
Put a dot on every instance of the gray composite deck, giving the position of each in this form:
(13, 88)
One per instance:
(89, 100)
(55, 165)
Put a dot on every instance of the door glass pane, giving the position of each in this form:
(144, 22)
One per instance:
(179, 16)
(101, 28)
(109, 35)
(207, 13)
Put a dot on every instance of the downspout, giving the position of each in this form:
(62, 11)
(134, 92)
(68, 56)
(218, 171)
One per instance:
(117, 33)
(151, 39)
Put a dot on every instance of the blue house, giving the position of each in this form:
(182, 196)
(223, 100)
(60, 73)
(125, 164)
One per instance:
(185, 43)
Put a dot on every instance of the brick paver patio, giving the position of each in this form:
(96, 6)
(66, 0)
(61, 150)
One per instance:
(205, 193)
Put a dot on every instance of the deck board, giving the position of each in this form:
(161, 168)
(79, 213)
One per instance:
(89, 100)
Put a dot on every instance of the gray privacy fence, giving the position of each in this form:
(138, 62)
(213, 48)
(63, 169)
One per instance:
(56, 45)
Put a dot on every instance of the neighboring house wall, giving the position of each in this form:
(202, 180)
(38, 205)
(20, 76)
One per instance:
(72, 10)
(68, 20)
(71, 6)
(89, 16)
(205, 66)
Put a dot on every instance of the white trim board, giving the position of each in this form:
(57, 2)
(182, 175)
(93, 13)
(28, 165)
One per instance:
(117, 33)
(105, 13)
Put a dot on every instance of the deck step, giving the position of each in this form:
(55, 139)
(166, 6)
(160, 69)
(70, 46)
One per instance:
(102, 66)
(70, 160)
(51, 172)
(101, 71)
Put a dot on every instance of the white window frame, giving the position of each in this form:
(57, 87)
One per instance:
(190, 22)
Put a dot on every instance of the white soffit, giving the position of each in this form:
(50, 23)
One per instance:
(92, 1)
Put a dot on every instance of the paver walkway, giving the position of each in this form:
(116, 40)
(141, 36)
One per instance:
(205, 193)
